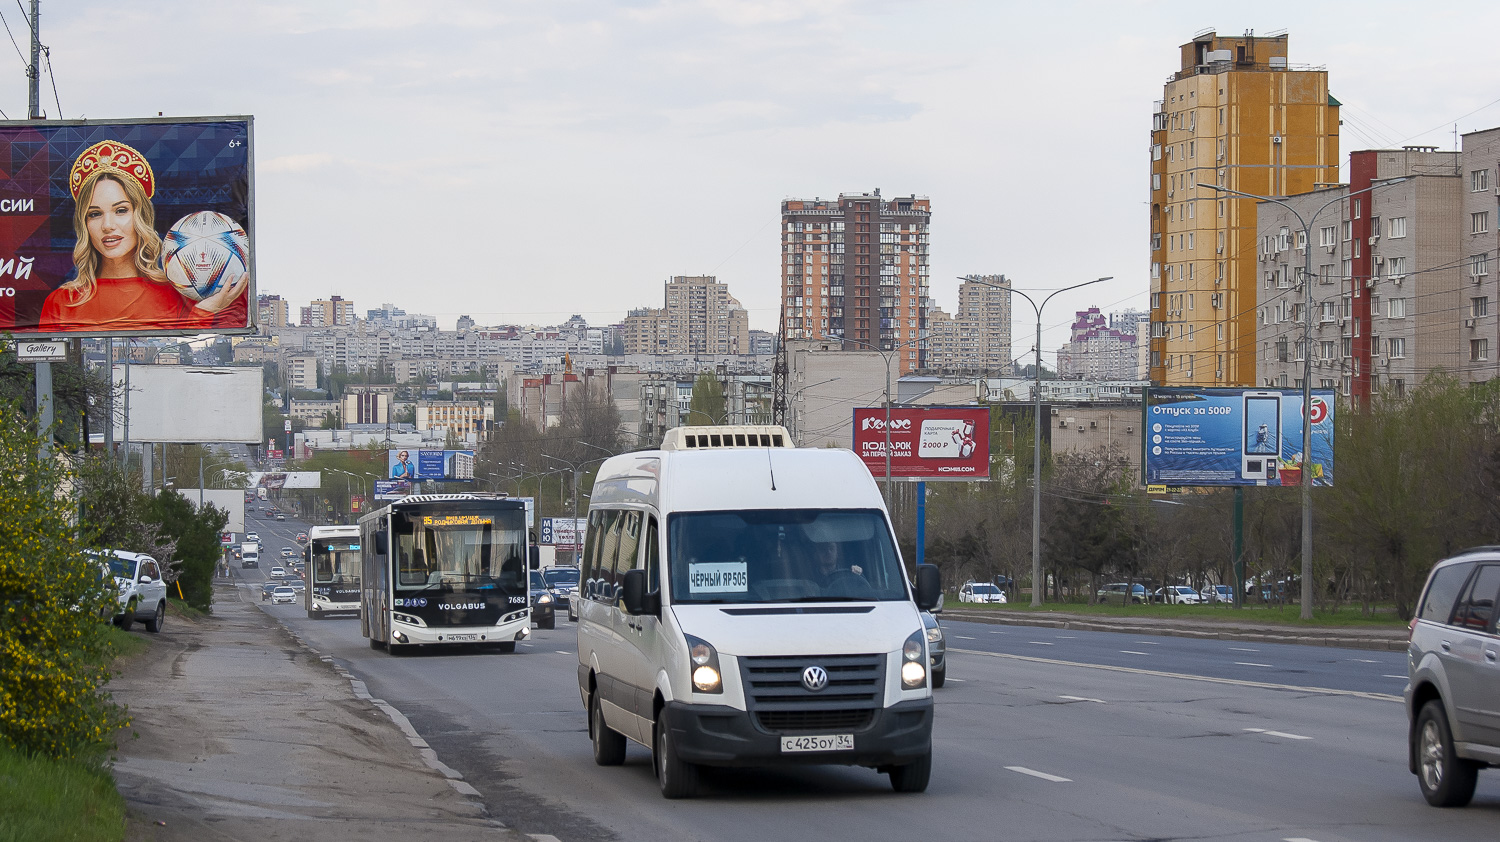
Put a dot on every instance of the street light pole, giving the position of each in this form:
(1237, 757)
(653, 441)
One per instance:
(1307, 526)
(1036, 447)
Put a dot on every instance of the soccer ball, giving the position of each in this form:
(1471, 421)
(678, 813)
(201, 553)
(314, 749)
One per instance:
(205, 252)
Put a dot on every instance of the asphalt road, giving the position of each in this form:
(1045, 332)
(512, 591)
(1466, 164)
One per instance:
(1082, 739)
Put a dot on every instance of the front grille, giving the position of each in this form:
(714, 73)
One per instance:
(775, 694)
(814, 720)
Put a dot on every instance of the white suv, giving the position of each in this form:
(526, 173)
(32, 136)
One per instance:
(980, 592)
(142, 593)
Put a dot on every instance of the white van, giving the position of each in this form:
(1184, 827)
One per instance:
(744, 603)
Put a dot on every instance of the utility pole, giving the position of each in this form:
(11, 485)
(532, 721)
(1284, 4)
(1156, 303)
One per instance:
(34, 71)
(44, 407)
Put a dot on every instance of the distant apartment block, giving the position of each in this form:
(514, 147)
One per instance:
(271, 311)
(327, 312)
(976, 338)
(458, 418)
(1097, 351)
(1238, 115)
(856, 269)
(302, 372)
(366, 405)
(703, 318)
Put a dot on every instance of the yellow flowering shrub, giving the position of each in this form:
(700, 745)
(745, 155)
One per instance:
(54, 648)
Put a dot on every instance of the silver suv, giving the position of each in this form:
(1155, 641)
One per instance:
(1454, 666)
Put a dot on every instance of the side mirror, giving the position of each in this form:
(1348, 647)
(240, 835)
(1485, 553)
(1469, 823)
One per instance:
(634, 595)
(536, 557)
(382, 543)
(929, 586)
(938, 609)
(146, 580)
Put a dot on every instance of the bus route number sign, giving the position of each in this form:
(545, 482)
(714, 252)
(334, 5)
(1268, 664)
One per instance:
(457, 520)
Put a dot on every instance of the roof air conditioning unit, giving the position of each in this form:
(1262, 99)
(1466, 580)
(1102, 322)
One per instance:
(1276, 138)
(1054, 410)
(1469, 322)
(1080, 428)
(1374, 238)
(1332, 247)
(1062, 425)
(1129, 428)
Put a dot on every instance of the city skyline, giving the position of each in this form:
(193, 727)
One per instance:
(666, 107)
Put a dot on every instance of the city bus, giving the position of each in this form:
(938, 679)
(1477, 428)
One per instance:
(444, 569)
(332, 557)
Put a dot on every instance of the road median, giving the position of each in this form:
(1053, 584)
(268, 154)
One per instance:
(1384, 639)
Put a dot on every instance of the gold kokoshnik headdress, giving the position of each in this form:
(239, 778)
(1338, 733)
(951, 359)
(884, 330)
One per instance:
(114, 157)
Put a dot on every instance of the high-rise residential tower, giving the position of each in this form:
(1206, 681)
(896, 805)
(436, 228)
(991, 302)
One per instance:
(856, 269)
(1237, 115)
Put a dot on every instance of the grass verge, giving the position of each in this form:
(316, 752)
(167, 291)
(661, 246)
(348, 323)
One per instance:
(1269, 615)
(44, 799)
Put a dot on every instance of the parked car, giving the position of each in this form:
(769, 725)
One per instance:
(1177, 595)
(141, 591)
(543, 602)
(1453, 678)
(283, 594)
(1218, 593)
(980, 592)
(1115, 592)
(937, 649)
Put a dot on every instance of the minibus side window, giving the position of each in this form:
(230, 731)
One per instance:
(589, 562)
(652, 560)
(630, 543)
(609, 548)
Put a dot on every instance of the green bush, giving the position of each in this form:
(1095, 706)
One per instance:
(196, 536)
(43, 799)
(54, 651)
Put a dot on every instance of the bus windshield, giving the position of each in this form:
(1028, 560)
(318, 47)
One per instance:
(335, 561)
(459, 551)
(787, 555)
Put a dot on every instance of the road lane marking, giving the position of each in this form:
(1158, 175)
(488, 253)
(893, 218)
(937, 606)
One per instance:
(1241, 649)
(1130, 652)
(562, 651)
(997, 632)
(1402, 677)
(1039, 643)
(1363, 661)
(961, 637)
(1043, 775)
(1083, 699)
(1282, 734)
(958, 680)
(1147, 643)
(1067, 637)
(1298, 839)
(1235, 682)
(1248, 664)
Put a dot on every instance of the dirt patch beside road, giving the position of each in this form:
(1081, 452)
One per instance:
(240, 733)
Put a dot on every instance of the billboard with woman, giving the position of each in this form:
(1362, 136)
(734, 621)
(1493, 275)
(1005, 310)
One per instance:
(126, 228)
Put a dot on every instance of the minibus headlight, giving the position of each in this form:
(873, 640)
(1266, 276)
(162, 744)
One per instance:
(704, 664)
(913, 656)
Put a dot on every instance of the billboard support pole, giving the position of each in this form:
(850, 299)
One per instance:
(921, 521)
(1239, 546)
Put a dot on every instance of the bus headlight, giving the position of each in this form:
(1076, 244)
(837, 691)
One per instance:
(703, 660)
(913, 653)
(407, 619)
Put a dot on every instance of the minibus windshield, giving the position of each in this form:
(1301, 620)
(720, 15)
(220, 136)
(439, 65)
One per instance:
(783, 555)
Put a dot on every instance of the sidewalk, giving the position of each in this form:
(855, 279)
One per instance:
(238, 732)
(1228, 629)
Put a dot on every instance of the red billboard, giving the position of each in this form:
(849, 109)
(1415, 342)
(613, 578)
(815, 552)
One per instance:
(927, 442)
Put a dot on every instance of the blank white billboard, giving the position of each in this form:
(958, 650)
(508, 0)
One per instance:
(231, 500)
(190, 404)
(285, 479)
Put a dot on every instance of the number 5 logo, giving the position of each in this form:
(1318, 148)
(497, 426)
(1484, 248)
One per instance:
(1319, 410)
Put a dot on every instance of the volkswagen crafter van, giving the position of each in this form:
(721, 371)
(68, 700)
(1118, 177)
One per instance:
(743, 603)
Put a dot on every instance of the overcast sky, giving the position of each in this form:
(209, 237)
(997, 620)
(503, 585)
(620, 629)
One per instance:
(520, 162)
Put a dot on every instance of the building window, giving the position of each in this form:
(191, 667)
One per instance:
(1348, 230)
(1479, 265)
(1398, 227)
(1347, 269)
(1479, 180)
(1358, 208)
(1395, 347)
(1328, 236)
(1480, 222)
(1395, 267)
(1479, 306)
(1395, 308)
(1479, 350)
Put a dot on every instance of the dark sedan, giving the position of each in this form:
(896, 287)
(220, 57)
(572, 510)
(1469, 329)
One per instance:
(543, 602)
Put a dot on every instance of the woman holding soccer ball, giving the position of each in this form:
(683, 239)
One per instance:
(119, 282)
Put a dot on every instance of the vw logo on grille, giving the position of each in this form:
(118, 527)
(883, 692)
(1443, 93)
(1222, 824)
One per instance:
(815, 678)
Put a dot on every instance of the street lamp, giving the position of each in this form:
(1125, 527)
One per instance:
(1036, 459)
(1306, 368)
(573, 469)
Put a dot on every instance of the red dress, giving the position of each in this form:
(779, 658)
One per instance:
(134, 304)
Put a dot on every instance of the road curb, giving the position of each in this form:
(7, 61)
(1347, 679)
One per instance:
(1299, 637)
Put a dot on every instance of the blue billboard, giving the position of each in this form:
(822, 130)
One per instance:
(436, 465)
(1235, 437)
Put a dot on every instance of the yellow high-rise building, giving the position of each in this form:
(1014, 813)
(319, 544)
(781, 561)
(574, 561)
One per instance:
(1238, 115)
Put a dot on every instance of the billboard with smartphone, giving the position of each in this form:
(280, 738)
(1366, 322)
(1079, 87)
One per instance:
(126, 228)
(1210, 437)
(928, 443)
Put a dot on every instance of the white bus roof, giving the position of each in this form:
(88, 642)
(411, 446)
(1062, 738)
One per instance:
(738, 479)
